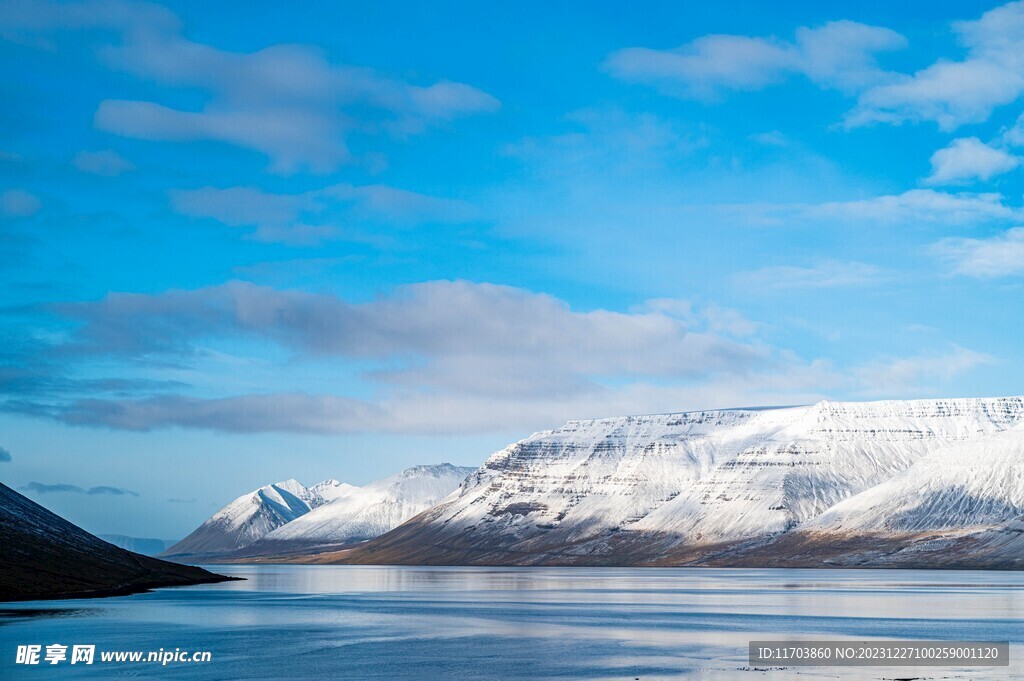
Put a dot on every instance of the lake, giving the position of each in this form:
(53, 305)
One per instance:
(353, 622)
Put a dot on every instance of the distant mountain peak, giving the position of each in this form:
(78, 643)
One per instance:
(248, 518)
(369, 510)
(330, 489)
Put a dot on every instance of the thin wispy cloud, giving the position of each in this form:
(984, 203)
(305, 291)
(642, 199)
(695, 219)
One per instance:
(319, 215)
(1001, 255)
(1014, 134)
(5, 456)
(922, 373)
(64, 488)
(18, 203)
(828, 274)
(443, 413)
(923, 205)
(452, 413)
(104, 163)
(914, 206)
(115, 491)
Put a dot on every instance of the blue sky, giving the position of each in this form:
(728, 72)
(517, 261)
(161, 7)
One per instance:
(245, 244)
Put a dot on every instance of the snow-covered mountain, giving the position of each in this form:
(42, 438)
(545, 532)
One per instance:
(888, 483)
(361, 513)
(252, 516)
(287, 516)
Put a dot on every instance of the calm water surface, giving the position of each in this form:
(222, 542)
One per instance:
(342, 622)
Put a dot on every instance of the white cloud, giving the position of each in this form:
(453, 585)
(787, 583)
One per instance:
(310, 217)
(828, 274)
(948, 93)
(706, 66)
(238, 206)
(397, 206)
(729, 322)
(998, 256)
(606, 138)
(916, 206)
(18, 203)
(523, 407)
(105, 163)
(288, 102)
(440, 414)
(33, 22)
(526, 333)
(919, 374)
(969, 159)
(922, 205)
(447, 357)
(954, 93)
(840, 54)
(1014, 135)
(772, 138)
(715, 318)
(292, 137)
(443, 356)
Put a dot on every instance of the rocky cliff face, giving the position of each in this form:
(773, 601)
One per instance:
(739, 487)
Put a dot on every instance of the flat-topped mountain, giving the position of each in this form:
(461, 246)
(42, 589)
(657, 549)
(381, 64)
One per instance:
(929, 483)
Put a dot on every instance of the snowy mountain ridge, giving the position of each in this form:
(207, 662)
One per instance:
(733, 486)
(366, 512)
(329, 512)
(250, 517)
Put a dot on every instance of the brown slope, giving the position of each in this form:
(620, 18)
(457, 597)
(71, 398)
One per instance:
(43, 556)
(997, 548)
(422, 542)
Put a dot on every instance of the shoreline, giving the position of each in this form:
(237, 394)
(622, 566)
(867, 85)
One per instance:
(123, 590)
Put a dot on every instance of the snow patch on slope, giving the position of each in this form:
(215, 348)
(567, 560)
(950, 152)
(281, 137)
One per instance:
(963, 486)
